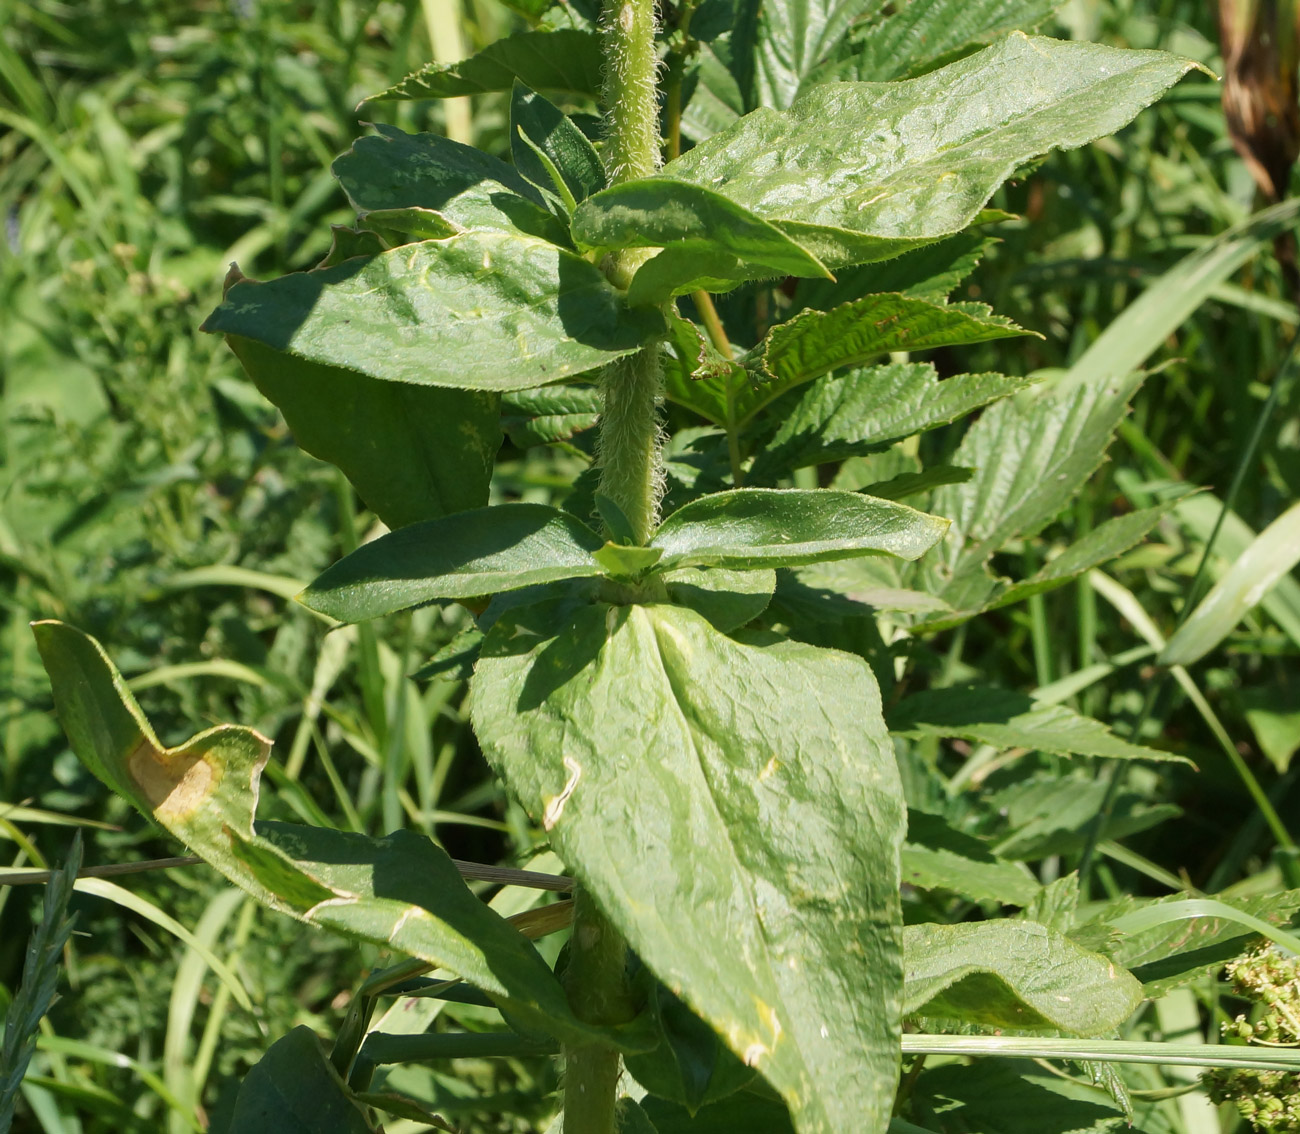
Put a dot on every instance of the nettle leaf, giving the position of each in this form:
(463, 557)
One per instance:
(548, 414)
(566, 60)
(478, 311)
(562, 144)
(502, 548)
(293, 1089)
(814, 343)
(771, 527)
(793, 36)
(922, 33)
(1007, 719)
(827, 171)
(412, 452)
(1013, 974)
(853, 414)
(401, 892)
(936, 856)
(392, 170)
(760, 883)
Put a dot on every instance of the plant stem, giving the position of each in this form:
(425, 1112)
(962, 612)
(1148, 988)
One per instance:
(718, 337)
(596, 982)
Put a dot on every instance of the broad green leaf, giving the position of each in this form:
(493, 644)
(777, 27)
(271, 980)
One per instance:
(293, 1089)
(814, 343)
(502, 548)
(794, 36)
(401, 892)
(621, 561)
(760, 882)
(853, 588)
(548, 414)
(712, 95)
(772, 527)
(845, 416)
(936, 856)
(1011, 720)
(391, 170)
(1013, 974)
(925, 32)
(828, 171)
(412, 452)
(553, 133)
(345, 243)
(904, 485)
(565, 60)
(1272, 555)
(728, 599)
(477, 311)
(1273, 710)
(724, 244)
(630, 1118)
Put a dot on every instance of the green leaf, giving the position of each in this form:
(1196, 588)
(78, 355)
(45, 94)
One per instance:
(566, 60)
(401, 892)
(293, 1089)
(345, 243)
(391, 170)
(723, 244)
(554, 134)
(743, 1113)
(816, 342)
(623, 562)
(925, 32)
(936, 856)
(852, 588)
(478, 311)
(1011, 720)
(403, 226)
(850, 415)
(502, 548)
(1013, 974)
(1272, 555)
(771, 527)
(412, 452)
(548, 414)
(905, 485)
(1273, 710)
(794, 36)
(828, 175)
(728, 599)
(761, 882)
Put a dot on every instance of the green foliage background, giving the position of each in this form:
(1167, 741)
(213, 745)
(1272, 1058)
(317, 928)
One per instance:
(150, 496)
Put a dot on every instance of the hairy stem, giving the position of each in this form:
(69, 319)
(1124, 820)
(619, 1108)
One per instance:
(596, 983)
(631, 464)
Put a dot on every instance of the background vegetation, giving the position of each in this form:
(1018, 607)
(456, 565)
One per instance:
(150, 496)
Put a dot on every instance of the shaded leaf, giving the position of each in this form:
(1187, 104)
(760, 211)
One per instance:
(548, 414)
(502, 548)
(728, 599)
(936, 856)
(412, 452)
(742, 1113)
(1273, 710)
(793, 36)
(1013, 974)
(433, 314)
(567, 60)
(293, 1089)
(772, 527)
(769, 816)
(555, 135)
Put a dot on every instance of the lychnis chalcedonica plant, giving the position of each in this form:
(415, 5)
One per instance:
(678, 671)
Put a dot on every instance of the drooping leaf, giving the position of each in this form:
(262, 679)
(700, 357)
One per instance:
(477, 311)
(293, 1089)
(412, 452)
(936, 856)
(1007, 719)
(816, 342)
(566, 60)
(772, 527)
(769, 813)
(825, 173)
(555, 135)
(502, 548)
(1013, 974)
(852, 414)
(401, 892)
(922, 33)
(549, 414)
(391, 170)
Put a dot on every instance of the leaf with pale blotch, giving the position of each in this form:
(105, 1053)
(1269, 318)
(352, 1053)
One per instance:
(1007, 719)
(831, 171)
(476, 311)
(411, 452)
(773, 527)
(850, 415)
(502, 548)
(566, 60)
(391, 170)
(293, 1089)
(1013, 974)
(760, 879)
(401, 892)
